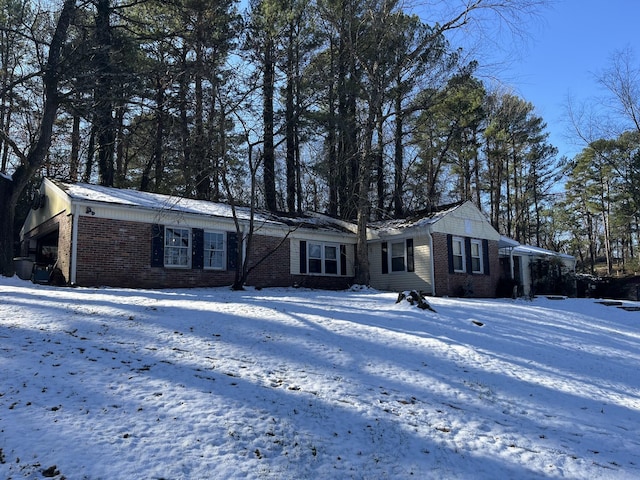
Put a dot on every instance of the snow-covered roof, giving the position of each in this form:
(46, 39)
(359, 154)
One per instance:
(419, 220)
(506, 242)
(147, 200)
(516, 248)
(154, 201)
(537, 251)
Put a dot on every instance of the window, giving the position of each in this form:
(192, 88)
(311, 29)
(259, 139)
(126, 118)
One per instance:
(476, 256)
(331, 259)
(177, 247)
(174, 247)
(457, 246)
(468, 255)
(397, 257)
(323, 258)
(214, 250)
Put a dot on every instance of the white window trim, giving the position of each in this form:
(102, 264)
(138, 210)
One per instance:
(479, 257)
(224, 251)
(462, 253)
(187, 248)
(323, 259)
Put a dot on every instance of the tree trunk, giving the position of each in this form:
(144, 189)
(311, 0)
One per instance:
(268, 119)
(156, 157)
(103, 95)
(380, 190)
(120, 153)
(5, 124)
(331, 144)
(7, 212)
(11, 189)
(290, 121)
(74, 165)
(91, 147)
(200, 148)
(363, 274)
(398, 201)
(183, 87)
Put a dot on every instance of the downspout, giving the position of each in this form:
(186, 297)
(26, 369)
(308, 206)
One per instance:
(74, 243)
(243, 243)
(514, 293)
(511, 264)
(432, 266)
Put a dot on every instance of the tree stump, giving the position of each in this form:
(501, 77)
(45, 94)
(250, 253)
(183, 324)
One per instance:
(415, 298)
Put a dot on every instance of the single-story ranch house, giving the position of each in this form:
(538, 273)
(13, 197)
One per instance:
(101, 236)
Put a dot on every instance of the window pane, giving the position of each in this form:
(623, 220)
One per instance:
(315, 265)
(476, 254)
(315, 250)
(397, 264)
(475, 264)
(176, 252)
(331, 267)
(458, 255)
(330, 253)
(397, 257)
(214, 254)
(397, 249)
(218, 260)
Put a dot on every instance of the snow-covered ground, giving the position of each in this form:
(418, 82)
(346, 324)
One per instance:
(301, 384)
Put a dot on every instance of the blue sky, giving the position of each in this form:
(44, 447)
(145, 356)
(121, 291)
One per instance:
(566, 47)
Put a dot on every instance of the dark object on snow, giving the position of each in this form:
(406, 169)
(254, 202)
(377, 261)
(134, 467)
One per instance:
(415, 298)
(50, 472)
(610, 303)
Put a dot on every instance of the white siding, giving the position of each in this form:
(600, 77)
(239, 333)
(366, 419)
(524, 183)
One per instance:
(420, 279)
(294, 249)
(466, 221)
(55, 203)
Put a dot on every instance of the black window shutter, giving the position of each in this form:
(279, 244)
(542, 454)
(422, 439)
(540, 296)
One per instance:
(449, 252)
(485, 254)
(410, 265)
(467, 251)
(197, 248)
(303, 256)
(385, 258)
(343, 259)
(232, 250)
(157, 245)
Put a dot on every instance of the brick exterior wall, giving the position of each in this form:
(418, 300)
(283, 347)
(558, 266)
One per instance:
(118, 253)
(269, 262)
(463, 284)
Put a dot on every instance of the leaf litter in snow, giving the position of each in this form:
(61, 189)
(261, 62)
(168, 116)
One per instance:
(295, 383)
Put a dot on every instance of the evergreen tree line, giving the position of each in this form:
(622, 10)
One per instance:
(356, 108)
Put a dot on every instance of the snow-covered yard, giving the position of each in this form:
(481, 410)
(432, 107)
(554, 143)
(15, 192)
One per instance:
(296, 384)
